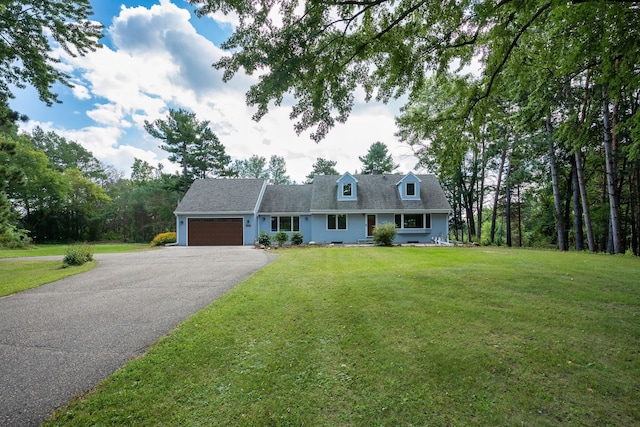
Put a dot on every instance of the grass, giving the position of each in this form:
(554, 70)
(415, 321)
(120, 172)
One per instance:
(60, 249)
(395, 337)
(20, 275)
(16, 276)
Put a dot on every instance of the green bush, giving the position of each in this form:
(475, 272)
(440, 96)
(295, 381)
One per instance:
(164, 238)
(14, 238)
(78, 255)
(281, 237)
(384, 234)
(264, 239)
(297, 238)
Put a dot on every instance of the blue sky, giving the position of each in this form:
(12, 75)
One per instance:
(157, 55)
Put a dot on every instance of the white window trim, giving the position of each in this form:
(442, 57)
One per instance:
(424, 221)
(407, 189)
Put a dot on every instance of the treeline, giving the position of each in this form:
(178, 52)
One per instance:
(57, 191)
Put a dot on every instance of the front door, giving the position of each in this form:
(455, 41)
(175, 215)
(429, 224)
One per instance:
(371, 222)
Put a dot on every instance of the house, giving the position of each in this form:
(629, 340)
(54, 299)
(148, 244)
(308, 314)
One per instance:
(334, 209)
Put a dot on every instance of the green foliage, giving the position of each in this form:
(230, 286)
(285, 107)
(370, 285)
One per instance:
(78, 254)
(26, 29)
(264, 239)
(191, 144)
(164, 238)
(14, 238)
(384, 234)
(297, 238)
(322, 167)
(377, 160)
(278, 171)
(281, 237)
(257, 167)
(253, 167)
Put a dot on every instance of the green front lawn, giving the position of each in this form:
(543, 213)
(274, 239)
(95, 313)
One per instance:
(396, 337)
(61, 249)
(20, 275)
(16, 276)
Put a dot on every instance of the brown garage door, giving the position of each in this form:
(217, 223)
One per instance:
(215, 231)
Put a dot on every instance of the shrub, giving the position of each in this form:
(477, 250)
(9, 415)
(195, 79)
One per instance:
(297, 238)
(164, 238)
(281, 237)
(78, 255)
(384, 234)
(14, 238)
(264, 239)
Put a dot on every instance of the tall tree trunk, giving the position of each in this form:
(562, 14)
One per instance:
(636, 221)
(582, 188)
(508, 203)
(577, 208)
(562, 244)
(585, 201)
(610, 162)
(519, 218)
(496, 196)
(480, 192)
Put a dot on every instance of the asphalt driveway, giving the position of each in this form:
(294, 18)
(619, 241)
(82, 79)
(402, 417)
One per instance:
(60, 339)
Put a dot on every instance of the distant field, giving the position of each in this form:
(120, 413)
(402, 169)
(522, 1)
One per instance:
(396, 337)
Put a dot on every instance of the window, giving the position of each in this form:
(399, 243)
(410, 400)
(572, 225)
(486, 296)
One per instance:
(337, 222)
(346, 189)
(285, 223)
(413, 221)
(411, 188)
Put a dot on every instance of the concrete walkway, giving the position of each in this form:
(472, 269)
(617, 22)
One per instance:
(60, 339)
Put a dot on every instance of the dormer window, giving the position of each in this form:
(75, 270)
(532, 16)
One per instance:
(411, 188)
(347, 188)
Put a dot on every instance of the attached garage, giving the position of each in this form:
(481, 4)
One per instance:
(215, 232)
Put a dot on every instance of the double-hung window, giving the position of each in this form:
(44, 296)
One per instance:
(285, 223)
(337, 222)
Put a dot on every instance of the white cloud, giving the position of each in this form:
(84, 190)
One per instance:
(159, 61)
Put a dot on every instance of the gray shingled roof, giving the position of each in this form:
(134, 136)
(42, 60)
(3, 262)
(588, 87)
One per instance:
(377, 193)
(287, 199)
(221, 195)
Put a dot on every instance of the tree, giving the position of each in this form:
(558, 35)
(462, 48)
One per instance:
(322, 167)
(253, 167)
(141, 171)
(65, 154)
(26, 29)
(377, 160)
(277, 171)
(10, 175)
(257, 167)
(191, 144)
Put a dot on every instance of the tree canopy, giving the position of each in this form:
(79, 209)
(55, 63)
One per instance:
(377, 160)
(321, 52)
(191, 144)
(322, 167)
(27, 28)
